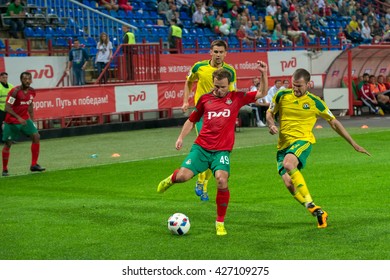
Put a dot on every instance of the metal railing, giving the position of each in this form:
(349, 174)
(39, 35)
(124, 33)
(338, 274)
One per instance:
(84, 20)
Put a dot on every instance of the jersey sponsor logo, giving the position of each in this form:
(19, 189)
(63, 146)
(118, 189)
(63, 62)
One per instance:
(225, 114)
(26, 102)
(306, 106)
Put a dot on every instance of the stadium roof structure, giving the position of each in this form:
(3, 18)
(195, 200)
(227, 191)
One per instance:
(371, 59)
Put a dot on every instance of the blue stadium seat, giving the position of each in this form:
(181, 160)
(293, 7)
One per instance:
(91, 42)
(28, 33)
(59, 32)
(39, 32)
(60, 42)
(21, 52)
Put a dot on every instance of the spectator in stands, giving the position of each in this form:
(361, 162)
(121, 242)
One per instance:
(261, 27)
(343, 10)
(342, 37)
(162, 7)
(16, 11)
(271, 8)
(353, 31)
(109, 4)
(198, 18)
(171, 14)
(231, 3)
(314, 26)
(278, 16)
(376, 33)
(366, 33)
(103, 55)
(129, 39)
(174, 36)
(5, 87)
(78, 60)
(386, 33)
(278, 35)
(242, 35)
(184, 6)
(125, 5)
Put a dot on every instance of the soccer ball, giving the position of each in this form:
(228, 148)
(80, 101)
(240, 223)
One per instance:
(179, 224)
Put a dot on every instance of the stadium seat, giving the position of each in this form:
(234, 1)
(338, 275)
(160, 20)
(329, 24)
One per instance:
(21, 52)
(28, 33)
(91, 42)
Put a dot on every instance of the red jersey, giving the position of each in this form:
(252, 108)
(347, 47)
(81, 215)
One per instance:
(365, 92)
(219, 119)
(20, 103)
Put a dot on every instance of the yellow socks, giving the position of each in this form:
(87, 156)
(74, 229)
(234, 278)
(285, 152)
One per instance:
(300, 186)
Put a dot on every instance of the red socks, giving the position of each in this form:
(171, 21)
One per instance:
(34, 153)
(5, 155)
(222, 200)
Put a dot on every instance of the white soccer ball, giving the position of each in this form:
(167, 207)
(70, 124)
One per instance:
(179, 224)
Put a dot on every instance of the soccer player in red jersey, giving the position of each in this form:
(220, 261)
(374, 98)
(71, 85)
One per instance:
(19, 119)
(215, 141)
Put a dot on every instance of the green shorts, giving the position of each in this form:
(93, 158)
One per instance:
(11, 132)
(301, 149)
(199, 160)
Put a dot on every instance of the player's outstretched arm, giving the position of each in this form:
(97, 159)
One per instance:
(187, 91)
(262, 90)
(340, 129)
(269, 116)
(187, 127)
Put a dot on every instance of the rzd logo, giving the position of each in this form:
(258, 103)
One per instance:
(225, 114)
(137, 97)
(46, 72)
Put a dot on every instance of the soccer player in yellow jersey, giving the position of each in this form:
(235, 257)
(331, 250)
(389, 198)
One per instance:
(202, 72)
(298, 110)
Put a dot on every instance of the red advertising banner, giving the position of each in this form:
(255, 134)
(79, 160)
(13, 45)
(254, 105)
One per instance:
(73, 101)
(170, 95)
(2, 64)
(174, 67)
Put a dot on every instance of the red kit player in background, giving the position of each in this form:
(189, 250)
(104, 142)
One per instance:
(19, 119)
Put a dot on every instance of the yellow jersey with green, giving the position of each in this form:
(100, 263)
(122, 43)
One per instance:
(297, 116)
(202, 72)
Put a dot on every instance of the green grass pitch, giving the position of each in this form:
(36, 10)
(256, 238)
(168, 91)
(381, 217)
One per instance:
(106, 208)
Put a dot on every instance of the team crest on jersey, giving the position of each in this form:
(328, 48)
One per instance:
(306, 106)
(229, 101)
(188, 162)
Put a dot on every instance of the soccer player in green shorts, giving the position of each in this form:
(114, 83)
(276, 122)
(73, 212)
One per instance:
(202, 72)
(19, 119)
(298, 110)
(212, 147)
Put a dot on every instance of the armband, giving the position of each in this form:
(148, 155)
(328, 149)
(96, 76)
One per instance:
(11, 100)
